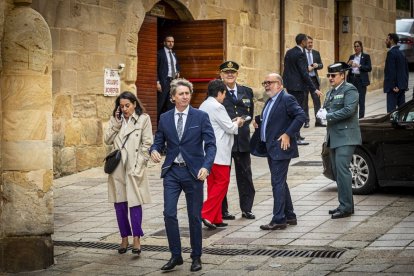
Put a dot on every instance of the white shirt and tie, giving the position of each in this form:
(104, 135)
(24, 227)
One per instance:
(172, 62)
(266, 114)
(310, 61)
(180, 118)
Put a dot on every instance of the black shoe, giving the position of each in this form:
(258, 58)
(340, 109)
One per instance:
(248, 215)
(122, 250)
(306, 125)
(222, 224)
(301, 137)
(174, 261)
(136, 251)
(208, 224)
(339, 214)
(273, 226)
(319, 123)
(333, 211)
(228, 216)
(302, 143)
(196, 265)
(292, 221)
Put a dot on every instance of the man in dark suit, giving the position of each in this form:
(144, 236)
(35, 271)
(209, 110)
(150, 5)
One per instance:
(314, 65)
(358, 75)
(395, 74)
(296, 78)
(239, 102)
(343, 134)
(167, 70)
(281, 119)
(191, 147)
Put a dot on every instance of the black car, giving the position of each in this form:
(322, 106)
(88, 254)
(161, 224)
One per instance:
(386, 156)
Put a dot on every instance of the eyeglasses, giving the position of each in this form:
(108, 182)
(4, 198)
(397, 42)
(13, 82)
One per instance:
(268, 83)
(331, 75)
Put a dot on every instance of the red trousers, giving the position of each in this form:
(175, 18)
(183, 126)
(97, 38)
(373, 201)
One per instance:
(217, 185)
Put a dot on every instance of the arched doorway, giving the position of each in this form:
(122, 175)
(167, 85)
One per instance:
(199, 44)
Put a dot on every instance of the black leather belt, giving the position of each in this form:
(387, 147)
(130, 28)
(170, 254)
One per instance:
(182, 164)
(169, 78)
(355, 75)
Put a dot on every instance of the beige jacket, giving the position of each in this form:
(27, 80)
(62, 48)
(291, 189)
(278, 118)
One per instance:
(129, 181)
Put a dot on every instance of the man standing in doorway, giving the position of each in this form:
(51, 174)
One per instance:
(296, 78)
(314, 65)
(395, 74)
(167, 70)
(238, 103)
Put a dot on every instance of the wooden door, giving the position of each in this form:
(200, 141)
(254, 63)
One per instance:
(147, 67)
(201, 48)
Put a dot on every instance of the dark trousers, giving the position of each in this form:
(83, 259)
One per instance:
(395, 100)
(121, 210)
(243, 167)
(176, 180)
(362, 91)
(340, 160)
(300, 97)
(282, 202)
(163, 98)
(315, 99)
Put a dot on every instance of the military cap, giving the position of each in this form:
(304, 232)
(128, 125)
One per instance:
(229, 66)
(338, 67)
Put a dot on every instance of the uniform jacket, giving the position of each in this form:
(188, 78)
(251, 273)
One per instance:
(365, 63)
(197, 144)
(316, 56)
(162, 66)
(243, 106)
(129, 181)
(295, 74)
(395, 71)
(342, 117)
(286, 116)
(224, 129)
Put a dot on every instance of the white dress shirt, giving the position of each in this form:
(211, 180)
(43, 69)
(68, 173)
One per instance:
(224, 129)
(167, 52)
(176, 117)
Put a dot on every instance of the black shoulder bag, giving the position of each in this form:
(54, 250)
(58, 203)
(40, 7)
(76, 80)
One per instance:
(112, 159)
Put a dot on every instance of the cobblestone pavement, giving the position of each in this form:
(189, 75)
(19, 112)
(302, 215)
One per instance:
(378, 239)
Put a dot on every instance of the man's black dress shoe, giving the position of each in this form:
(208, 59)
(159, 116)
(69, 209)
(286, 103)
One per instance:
(122, 250)
(292, 221)
(208, 224)
(319, 124)
(196, 265)
(306, 125)
(339, 214)
(333, 211)
(228, 216)
(248, 215)
(273, 226)
(222, 224)
(174, 261)
(302, 143)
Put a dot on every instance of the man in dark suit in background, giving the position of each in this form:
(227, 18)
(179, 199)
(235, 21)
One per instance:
(343, 134)
(281, 119)
(296, 78)
(187, 134)
(167, 70)
(314, 65)
(358, 75)
(395, 74)
(239, 102)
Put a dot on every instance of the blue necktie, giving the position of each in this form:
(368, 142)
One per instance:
(264, 123)
(180, 134)
(233, 95)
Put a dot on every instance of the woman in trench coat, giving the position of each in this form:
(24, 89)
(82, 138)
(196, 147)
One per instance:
(128, 184)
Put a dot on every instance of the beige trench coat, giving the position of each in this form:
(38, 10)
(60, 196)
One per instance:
(129, 181)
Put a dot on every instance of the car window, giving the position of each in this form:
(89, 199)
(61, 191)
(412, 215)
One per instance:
(403, 26)
(407, 115)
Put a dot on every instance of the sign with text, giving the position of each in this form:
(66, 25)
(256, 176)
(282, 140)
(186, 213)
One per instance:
(112, 82)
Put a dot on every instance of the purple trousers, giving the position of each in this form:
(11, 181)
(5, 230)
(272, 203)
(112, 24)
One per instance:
(121, 210)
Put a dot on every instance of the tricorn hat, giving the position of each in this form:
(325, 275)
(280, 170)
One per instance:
(338, 67)
(229, 66)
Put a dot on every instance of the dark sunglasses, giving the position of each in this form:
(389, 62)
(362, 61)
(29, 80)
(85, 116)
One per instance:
(268, 83)
(331, 75)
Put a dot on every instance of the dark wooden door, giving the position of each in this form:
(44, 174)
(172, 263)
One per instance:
(201, 48)
(147, 67)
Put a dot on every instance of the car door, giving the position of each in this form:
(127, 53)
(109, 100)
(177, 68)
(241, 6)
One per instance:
(398, 149)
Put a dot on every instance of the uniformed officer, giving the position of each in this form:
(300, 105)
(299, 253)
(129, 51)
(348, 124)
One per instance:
(343, 134)
(239, 102)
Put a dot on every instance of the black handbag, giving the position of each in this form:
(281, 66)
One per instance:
(112, 159)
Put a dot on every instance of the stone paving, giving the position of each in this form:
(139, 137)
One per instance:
(378, 239)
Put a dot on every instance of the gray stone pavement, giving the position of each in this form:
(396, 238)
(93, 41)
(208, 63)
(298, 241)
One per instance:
(379, 238)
